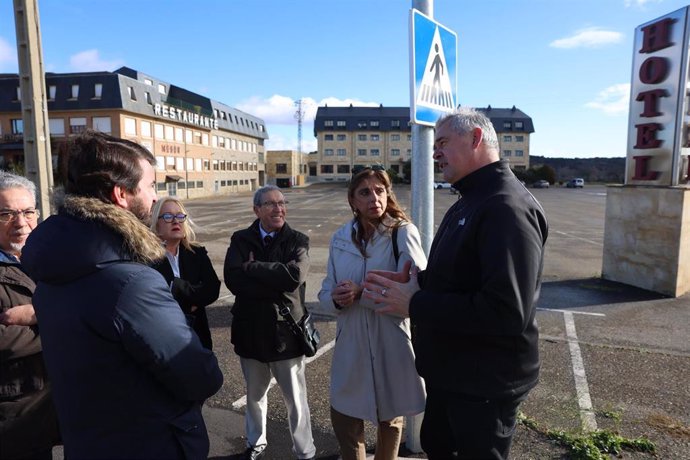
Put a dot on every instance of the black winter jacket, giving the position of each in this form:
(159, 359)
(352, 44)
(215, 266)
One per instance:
(275, 279)
(476, 332)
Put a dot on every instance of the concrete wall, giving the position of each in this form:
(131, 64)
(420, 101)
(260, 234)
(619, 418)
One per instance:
(647, 238)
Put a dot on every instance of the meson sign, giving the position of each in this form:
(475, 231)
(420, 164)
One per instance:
(659, 119)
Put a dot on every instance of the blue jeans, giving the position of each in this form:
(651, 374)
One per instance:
(469, 427)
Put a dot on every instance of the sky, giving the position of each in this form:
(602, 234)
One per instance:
(565, 63)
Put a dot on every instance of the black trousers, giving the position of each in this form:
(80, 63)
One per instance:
(469, 427)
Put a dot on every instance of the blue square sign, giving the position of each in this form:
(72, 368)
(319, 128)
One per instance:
(433, 63)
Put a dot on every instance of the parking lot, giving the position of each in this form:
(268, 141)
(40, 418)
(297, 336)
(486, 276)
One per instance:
(613, 357)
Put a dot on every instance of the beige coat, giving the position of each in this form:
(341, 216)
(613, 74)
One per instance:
(373, 376)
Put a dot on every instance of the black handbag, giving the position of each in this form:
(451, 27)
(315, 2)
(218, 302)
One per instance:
(305, 331)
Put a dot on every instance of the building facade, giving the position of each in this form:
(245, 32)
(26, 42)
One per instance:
(202, 147)
(286, 168)
(352, 136)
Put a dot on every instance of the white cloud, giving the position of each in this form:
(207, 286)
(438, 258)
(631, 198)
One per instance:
(279, 114)
(614, 100)
(640, 3)
(90, 61)
(8, 56)
(592, 37)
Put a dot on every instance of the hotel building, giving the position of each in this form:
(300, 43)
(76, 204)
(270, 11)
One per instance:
(202, 147)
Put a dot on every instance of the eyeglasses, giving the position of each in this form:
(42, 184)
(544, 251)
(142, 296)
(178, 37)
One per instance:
(359, 168)
(8, 215)
(273, 204)
(169, 217)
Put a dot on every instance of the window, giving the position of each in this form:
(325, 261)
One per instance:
(215, 165)
(395, 152)
(342, 152)
(518, 125)
(396, 168)
(179, 164)
(375, 137)
(328, 152)
(197, 164)
(199, 184)
(160, 163)
(361, 137)
(326, 169)
(395, 137)
(507, 125)
(519, 153)
(56, 126)
(343, 169)
(102, 124)
(161, 88)
(169, 133)
(178, 135)
(507, 153)
(395, 123)
(97, 90)
(19, 93)
(374, 124)
(362, 152)
(161, 186)
(375, 152)
(328, 137)
(148, 81)
(204, 139)
(17, 126)
(75, 92)
(519, 138)
(146, 128)
(77, 125)
(341, 123)
(52, 89)
(190, 164)
(507, 138)
(409, 137)
(130, 91)
(158, 131)
(281, 168)
(147, 96)
(341, 137)
(188, 136)
(207, 165)
(328, 123)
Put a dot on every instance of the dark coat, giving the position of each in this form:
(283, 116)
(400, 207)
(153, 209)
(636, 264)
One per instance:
(198, 285)
(28, 423)
(476, 331)
(128, 373)
(275, 279)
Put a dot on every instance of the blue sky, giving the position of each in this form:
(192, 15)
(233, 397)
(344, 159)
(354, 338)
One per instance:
(566, 63)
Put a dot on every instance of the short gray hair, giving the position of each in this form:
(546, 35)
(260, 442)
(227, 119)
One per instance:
(9, 180)
(464, 119)
(259, 194)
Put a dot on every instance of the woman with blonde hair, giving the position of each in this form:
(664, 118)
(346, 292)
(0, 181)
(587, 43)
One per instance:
(187, 267)
(373, 376)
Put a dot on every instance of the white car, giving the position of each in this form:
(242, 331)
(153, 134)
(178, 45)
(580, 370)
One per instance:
(440, 185)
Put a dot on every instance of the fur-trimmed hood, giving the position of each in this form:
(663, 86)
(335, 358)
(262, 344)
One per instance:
(86, 235)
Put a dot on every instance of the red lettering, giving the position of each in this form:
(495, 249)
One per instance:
(651, 102)
(646, 136)
(642, 168)
(654, 70)
(657, 36)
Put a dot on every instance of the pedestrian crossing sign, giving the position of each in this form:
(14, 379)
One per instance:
(433, 65)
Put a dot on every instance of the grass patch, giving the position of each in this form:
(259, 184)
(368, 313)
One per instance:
(596, 445)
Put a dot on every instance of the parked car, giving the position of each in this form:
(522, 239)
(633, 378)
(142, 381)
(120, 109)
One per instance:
(541, 184)
(440, 185)
(578, 182)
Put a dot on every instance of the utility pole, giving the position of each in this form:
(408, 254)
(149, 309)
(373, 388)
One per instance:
(38, 164)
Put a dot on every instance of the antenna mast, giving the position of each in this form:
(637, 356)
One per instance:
(299, 116)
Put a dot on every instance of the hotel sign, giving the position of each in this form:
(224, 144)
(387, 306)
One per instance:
(177, 114)
(659, 118)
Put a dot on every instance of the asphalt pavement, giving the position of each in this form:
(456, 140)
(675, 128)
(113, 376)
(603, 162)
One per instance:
(614, 357)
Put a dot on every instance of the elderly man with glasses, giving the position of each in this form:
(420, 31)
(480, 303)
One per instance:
(28, 424)
(266, 268)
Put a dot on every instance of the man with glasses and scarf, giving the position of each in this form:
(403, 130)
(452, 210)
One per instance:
(266, 267)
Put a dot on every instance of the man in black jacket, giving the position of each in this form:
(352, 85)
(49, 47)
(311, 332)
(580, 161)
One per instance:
(266, 267)
(474, 306)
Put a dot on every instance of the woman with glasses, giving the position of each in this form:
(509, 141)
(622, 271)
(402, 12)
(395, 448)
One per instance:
(373, 376)
(187, 267)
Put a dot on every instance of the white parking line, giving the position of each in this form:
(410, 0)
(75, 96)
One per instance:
(589, 313)
(240, 403)
(589, 422)
(569, 235)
